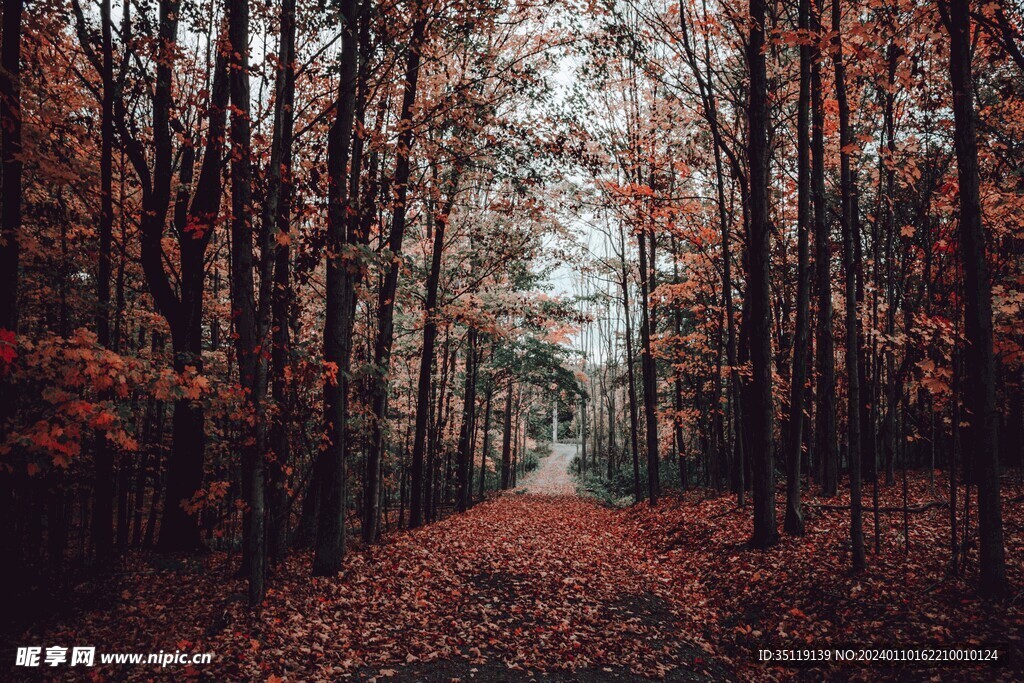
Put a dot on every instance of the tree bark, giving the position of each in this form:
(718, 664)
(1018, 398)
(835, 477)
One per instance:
(427, 356)
(794, 520)
(506, 441)
(634, 426)
(10, 161)
(102, 529)
(853, 417)
(826, 446)
(193, 224)
(485, 450)
(759, 256)
(467, 430)
(649, 371)
(386, 297)
(979, 358)
(249, 309)
(277, 209)
(330, 539)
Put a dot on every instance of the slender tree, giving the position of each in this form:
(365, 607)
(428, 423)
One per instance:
(467, 431)
(794, 521)
(386, 296)
(330, 538)
(979, 358)
(427, 354)
(277, 221)
(760, 327)
(848, 225)
(826, 445)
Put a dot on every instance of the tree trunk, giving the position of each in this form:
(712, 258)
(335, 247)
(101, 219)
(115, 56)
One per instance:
(467, 431)
(649, 370)
(10, 163)
(825, 408)
(634, 420)
(102, 528)
(980, 379)
(178, 528)
(249, 310)
(427, 355)
(794, 521)
(506, 441)
(10, 232)
(853, 417)
(330, 539)
(759, 256)
(386, 297)
(277, 209)
(487, 443)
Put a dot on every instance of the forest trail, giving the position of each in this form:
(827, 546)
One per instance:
(552, 478)
(539, 586)
(562, 589)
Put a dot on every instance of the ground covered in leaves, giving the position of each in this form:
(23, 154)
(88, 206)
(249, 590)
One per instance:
(545, 587)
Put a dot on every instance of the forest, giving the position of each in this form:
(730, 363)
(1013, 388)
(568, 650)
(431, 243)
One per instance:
(501, 340)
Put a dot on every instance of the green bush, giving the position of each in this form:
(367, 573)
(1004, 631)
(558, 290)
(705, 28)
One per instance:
(617, 490)
(531, 459)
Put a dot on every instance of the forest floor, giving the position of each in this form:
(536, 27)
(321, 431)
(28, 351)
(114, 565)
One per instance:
(542, 585)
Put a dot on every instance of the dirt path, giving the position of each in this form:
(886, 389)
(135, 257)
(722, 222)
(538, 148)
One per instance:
(552, 477)
(547, 588)
(539, 586)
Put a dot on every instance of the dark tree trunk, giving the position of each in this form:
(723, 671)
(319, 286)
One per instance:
(506, 441)
(794, 521)
(330, 539)
(179, 528)
(649, 369)
(427, 357)
(677, 384)
(10, 162)
(485, 450)
(277, 209)
(853, 376)
(386, 296)
(250, 310)
(634, 420)
(979, 359)
(102, 528)
(759, 256)
(467, 431)
(10, 232)
(826, 446)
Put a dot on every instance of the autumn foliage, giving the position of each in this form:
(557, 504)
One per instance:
(433, 339)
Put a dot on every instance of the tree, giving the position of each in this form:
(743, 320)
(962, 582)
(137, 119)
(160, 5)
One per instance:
(277, 221)
(193, 221)
(467, 431)
(386, 297)
(427, 355)
(10, 159)
(825, 406)
(847, 224)
(341, 280)
(758, 281)
(979, 360)
(794, 521)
